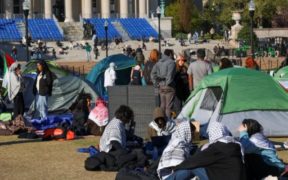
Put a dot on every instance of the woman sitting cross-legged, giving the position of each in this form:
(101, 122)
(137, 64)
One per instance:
(260, 155)
(220, 159)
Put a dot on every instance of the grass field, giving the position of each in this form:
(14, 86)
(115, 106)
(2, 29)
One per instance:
(26, 159)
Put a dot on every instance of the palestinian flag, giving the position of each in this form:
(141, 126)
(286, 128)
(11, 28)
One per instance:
(5, 62)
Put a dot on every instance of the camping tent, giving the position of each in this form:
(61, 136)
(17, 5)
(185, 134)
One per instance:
(123, 70)
(64, 94)
(281, 76)
(31, 67)
(234, 94)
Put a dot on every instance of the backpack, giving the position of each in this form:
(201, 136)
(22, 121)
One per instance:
(136, 77)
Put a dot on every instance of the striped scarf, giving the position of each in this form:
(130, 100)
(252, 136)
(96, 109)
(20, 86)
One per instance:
(114, 131)
(178, 148)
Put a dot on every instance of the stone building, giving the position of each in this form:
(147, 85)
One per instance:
(72, 10)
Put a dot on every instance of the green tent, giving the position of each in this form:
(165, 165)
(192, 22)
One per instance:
(235, 94)
(31, 66)
(282, 74)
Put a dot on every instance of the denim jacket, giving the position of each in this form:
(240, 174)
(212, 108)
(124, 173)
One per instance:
(269, 155)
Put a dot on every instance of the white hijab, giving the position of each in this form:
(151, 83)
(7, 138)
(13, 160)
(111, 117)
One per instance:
(14, 83)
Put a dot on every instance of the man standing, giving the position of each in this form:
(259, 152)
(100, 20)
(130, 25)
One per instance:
(162, 76)
(88, 49)
(198, 69)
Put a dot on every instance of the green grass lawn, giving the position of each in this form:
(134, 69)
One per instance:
(35, 159)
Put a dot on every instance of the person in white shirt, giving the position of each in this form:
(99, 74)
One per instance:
(110, 76)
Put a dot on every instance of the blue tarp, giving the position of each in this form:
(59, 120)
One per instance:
(52, 121)
(123, 70)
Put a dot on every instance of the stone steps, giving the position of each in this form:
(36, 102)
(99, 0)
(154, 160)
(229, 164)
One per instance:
(72, 31)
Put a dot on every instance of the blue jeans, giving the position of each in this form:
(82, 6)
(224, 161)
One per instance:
(189, 174)
(41, 106)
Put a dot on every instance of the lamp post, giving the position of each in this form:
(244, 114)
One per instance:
(106, 36)
(26, 8)
(251, 13)
(158, 11)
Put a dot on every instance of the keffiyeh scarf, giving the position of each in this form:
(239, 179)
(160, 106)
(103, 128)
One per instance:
(178, 148)
(261, 141)
(168, 130)
(114, 131)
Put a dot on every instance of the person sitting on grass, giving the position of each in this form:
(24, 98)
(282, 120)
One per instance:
(260, 155)
(114, 136)
(160, 126)
(177, 150)
(221, 158)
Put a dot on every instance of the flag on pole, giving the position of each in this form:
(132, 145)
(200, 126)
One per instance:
(7, 61)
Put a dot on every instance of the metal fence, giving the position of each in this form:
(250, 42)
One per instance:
(140, 98)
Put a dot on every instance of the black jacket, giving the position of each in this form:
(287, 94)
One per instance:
(220, 160)
(147, 72)
(45, 85)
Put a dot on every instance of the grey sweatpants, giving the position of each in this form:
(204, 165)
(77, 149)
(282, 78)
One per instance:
(167, 96)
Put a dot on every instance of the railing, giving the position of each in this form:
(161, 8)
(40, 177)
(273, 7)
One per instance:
(57, 24)
(79, 71)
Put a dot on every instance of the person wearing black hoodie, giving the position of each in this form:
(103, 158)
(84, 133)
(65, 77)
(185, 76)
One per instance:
(220, 159)
(42, 89)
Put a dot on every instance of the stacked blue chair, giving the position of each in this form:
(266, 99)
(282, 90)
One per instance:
(44, 29)
(9, 31)
(138, 28)
(99, 27)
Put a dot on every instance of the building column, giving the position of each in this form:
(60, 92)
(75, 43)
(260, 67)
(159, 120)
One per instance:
(83, 12)
(105, 8)
(48, 9)
(68, 11)
(123, 8)
(135, 7)
(86, 13)
(88, 9)
(142, 9)
(148, 8)
(9, 8)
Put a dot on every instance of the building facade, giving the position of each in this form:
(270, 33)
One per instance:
(72, 10)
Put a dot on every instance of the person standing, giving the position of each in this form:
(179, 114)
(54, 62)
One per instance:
(136, 75)
(15, 87)
(42, 89)
(153, 59)
(162, 75)
(110, 76)
(88, 49)
(198, 70)
(14, 53)
(212, 33)
(182, 84)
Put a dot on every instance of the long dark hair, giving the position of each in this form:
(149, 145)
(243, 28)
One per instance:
(124, 114)
(225, 63)
(44, 66)
(253, 126)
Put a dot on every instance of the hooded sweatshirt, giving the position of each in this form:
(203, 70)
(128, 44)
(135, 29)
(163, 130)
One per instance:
(163, 73)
